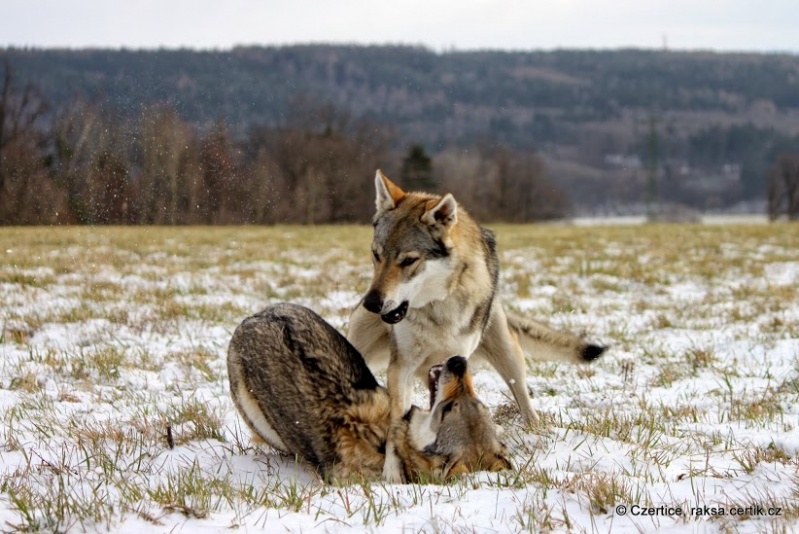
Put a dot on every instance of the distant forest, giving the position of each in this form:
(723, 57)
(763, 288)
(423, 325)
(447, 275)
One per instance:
(294, 134)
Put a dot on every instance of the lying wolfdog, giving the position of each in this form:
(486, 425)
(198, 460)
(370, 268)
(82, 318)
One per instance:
(302, 388)
(434, 294)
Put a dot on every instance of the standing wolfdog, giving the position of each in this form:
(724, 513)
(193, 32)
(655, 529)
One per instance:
(302, 388)
(433, 295)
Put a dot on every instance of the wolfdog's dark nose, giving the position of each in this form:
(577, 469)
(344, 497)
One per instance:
(457, 365)
(373, 302)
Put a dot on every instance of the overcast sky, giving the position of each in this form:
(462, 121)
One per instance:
(747, 25)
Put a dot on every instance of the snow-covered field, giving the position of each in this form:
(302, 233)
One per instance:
(112, 344)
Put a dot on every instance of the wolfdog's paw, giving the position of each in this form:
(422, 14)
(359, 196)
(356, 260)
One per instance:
(392, 473)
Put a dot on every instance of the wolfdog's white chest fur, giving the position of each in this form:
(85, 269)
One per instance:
(433, 333)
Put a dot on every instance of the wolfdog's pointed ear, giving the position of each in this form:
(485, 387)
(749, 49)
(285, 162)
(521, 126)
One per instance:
(444, 213)
(388, 193)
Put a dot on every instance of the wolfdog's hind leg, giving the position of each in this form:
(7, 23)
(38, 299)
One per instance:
(501, 349)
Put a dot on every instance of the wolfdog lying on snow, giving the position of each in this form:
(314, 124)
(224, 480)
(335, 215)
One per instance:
(302, 388)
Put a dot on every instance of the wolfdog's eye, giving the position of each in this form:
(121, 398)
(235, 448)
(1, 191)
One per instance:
(407, 262)
(376, 256)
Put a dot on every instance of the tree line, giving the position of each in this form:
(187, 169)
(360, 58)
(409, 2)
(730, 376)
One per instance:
(405, 83)
(87, 163)
(723, 120)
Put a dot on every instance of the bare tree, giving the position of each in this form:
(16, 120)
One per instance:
(783, 187)
(27, 194)
(167, 184)
(19, 114)
(87, 159)
(324, 164)
(498, 184)
(267, 189)
(218, 175)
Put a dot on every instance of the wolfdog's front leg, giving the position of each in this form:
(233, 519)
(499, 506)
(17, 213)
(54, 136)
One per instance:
(399, 380)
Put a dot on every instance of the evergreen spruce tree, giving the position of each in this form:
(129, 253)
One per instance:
(416, 173)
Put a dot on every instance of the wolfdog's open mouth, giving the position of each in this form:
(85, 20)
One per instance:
(396, 315)
(432, 382)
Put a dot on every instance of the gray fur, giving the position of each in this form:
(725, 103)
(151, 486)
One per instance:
(465, 316)
(301, 387)
(300, 371)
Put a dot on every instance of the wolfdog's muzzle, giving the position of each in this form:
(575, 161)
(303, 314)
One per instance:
(374, 303)
(453, 368)
(396, 315)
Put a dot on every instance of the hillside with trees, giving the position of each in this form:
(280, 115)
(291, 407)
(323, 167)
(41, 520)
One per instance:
(301, 129)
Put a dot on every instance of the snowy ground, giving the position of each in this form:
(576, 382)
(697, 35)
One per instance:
(111, 339)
